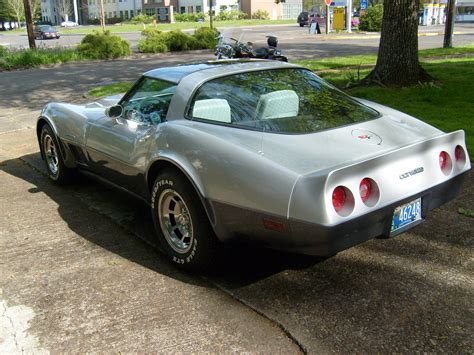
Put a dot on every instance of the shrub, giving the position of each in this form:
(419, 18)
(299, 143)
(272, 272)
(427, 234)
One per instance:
(25, 58)
(157, 42)
(93, 21)
(194, 17)
(206, 38)
(176, 40)
(154, 44)
(114, 20)
(148, 32)
(261, 15)
(103, 46)
(142, 18)
(154, 41)
(372, 20)
(230, 15)
(3, 51)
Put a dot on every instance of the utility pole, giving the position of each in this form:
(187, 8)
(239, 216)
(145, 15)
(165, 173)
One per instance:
(349, 16)
(102, 15)
(76, 18)
(448, 29)
(210, 13)
(328, 22)
(29, 24)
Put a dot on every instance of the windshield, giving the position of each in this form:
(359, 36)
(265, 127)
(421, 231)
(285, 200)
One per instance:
(46, 28)
(281, 100)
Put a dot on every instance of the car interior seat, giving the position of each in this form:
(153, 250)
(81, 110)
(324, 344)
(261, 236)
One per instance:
(213, 110)
(277, 104)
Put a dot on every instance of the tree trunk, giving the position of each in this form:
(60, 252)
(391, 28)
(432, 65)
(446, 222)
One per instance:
(29, 24)
(397, 62)
(448, 29)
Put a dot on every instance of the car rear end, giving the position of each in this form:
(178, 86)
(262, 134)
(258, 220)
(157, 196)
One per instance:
(380, 196)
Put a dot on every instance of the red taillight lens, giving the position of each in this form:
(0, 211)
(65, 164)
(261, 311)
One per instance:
(338, 198)
(459, 153)
(443, 160)
(365, 189)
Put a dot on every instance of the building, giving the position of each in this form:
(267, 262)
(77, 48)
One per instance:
(290, 9)
(57, 11)
(119, 9)
(434, 12)
(465, 11)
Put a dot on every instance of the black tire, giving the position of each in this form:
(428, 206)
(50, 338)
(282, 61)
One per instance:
(198, 248)
(301, 24)
(53, 159)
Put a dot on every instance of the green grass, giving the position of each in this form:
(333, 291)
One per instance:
(356, 60)
(446, 104)
(129, 27)
(112, 89)
(26, 58)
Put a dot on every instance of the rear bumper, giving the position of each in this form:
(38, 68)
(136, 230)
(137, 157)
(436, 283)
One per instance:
(314, 239)
(277, 232)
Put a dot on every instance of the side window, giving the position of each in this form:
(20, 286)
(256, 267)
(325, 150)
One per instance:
(149, 101)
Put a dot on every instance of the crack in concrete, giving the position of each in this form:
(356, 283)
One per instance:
(12, 332)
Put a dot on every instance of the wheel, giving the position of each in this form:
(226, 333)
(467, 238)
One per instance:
(53, 159)
(181, 223)
(301, 24)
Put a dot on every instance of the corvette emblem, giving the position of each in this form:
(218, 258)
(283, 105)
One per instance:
(411, 173)
(366, 136)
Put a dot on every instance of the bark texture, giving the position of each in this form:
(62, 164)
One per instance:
(397, 62)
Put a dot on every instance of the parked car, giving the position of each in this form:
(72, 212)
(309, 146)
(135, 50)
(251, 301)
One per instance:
(46, 32)
(69, 24)
(256, 150)
(6, 25)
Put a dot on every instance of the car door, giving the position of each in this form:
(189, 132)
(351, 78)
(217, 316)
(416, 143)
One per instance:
(118, 148)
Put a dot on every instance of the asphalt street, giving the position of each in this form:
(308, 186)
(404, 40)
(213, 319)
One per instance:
(79, 271)
(294, 40)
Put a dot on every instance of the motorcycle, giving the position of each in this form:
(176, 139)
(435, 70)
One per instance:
(229, 48)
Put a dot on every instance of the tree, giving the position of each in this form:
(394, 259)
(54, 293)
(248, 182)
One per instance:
(397, 61)
(64, 8)
(36, 9)
(17, 8)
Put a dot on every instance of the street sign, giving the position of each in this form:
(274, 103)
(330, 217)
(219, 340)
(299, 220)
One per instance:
(364, 4)
(338, 3)
(328, 2)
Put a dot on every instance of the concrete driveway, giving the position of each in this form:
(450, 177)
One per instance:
(79, 273)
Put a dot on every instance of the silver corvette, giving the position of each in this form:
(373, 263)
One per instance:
(258, 150)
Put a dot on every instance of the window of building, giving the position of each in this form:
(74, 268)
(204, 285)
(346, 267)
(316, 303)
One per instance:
(131, 13)
(182, 9)
(121, 14)
(198, 8)
(126, 14)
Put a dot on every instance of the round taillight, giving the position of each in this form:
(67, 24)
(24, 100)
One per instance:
(338, 198)
(459, 153)
(445, 163)
(443, 160)
(365, 189)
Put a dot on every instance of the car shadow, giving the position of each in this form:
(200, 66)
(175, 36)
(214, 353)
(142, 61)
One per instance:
(375, 297)
(239, 265)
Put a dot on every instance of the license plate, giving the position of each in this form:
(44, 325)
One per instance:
(406, 214)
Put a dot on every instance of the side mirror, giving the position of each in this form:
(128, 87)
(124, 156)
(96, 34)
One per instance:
(114, 111)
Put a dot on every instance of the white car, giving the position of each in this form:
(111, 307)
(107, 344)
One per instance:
(69, 24)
